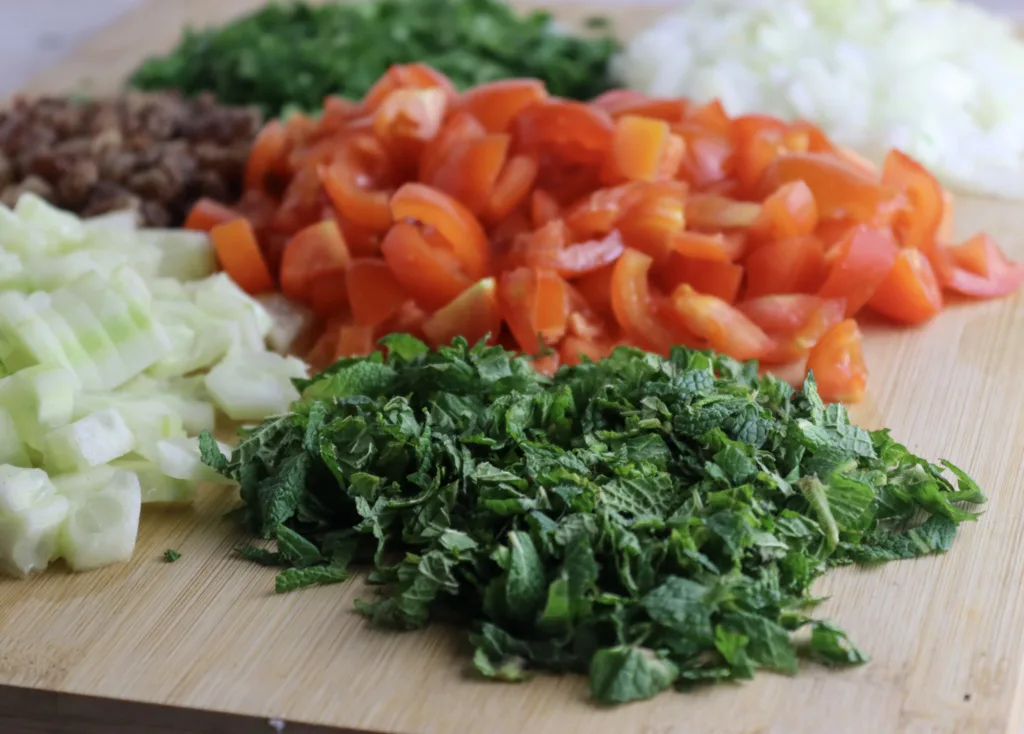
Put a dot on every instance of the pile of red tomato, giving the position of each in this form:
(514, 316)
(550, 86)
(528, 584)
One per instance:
(578, 227)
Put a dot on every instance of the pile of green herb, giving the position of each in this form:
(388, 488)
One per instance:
(296, 54)
(654, 522)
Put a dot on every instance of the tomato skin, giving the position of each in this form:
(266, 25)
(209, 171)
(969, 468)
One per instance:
(430, 275)
(981, 270)
(460, 128)
(470, 170)
(450, 218)
(712, 213)
(714, 278)
(239, 255)
(861, 262)
(839, 189)
(366, 208)
(512, 187)
(315, 252)
(473, 314)
(496, 104)
(719, 247)
(789, 211)
(631, 303)
(206, 214)
(534, 304)
(910, 293)
(725, 328)
(374, 292)
(788, 266)
(354, 341)
(837, 361)
(577, 132)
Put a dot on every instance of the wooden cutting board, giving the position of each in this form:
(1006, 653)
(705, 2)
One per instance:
(207, 637)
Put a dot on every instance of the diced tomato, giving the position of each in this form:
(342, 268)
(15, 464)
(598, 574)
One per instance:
(576, 132)
(240, 257)
(470, 169)
(916, 226)
(708, 157)
(473, 314)
(795, 321)
(596, 289)
(725, 328)
(497, 104)
(316, 252)
(206, 214)
(549, 248)
(981, 270)
(711, 277)
(432, 275)
(354, 341)
(711, 213)
(651, 224)
(269, 155)
(411, 114)
(374, 292)
(631, 303)
(837, 361)
(641, 149)
(460, 128)
(452, 220)
(573, 349)
(787, 266)
(533, 304)
(720, 247)
(512, 187)
(910, 293)
(406, 76)
(547, 364)
(543, 208)
(859, 265)
(790, 211)
(366, 208)
(839, 189)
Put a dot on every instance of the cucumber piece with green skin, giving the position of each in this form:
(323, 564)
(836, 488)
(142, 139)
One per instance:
(39, 399)
(12, 449)
(96, 439)
(138, 346)
(59, 230)
(156, 487)
(110, 368)
(28, 542)
(81, 362)
(25, 339)
(102, 524)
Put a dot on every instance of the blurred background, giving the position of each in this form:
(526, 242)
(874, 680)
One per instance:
(36, 33)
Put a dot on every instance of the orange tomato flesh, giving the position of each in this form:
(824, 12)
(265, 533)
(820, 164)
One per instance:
(579, 226)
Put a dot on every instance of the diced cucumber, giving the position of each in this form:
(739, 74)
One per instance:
(168, 289)
(21, 489)
(221, 298)
(17, 236)
(39, 399)
(80, 361)
(186, 254)
(12, 271)
(199, 341)
(157, 487)
(90, 480)
(12, 447)
(124, 220)
(110, 368)
(25, 339)
(60, 230)
(139, 339)
(149, 418)
(252, 385)
(180, 458)
(102, 524)
(96, 439)
(30, 540)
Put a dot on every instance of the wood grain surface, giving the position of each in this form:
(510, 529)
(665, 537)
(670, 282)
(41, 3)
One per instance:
(207, 634)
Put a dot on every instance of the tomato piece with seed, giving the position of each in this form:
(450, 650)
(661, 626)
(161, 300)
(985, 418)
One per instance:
(313, 254)
(790, 211)
(725, 328)
(981, 270)
(788, 266)
(910, 293)
(534, 305)
(450, 218)
(374, 292)
(431, 274)
(632, 306)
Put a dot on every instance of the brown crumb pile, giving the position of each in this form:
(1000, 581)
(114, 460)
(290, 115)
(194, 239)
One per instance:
(154, 153)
